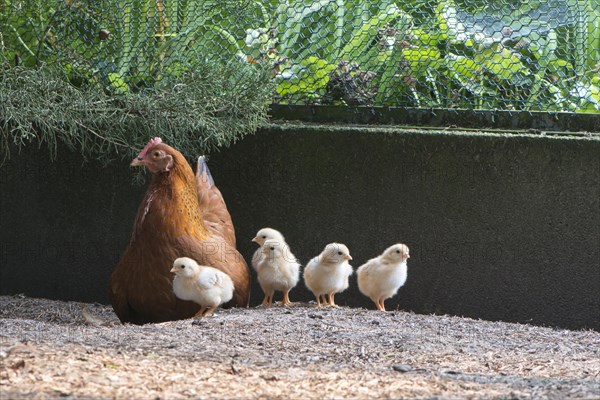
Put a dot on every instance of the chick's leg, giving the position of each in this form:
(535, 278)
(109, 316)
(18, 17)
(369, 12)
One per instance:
(265, 300)
(210, 311)
(381, 304)
(332, 301)
(318, 301)
(200, 312)
(377, 304)
(286, 299)
(324, 301)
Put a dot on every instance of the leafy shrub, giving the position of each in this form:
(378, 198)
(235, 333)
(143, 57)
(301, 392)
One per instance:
(103, 76)
(439, 54)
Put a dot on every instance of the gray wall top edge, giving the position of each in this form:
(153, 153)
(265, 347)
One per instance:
(549, 122)
(311, 127)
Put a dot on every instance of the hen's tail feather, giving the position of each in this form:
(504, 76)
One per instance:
(202, 168)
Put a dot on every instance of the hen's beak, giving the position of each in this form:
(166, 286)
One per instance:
(137, 162)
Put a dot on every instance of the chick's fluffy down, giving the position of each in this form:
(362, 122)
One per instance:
(277, 269)
(381, 277)
(327, 278)
(204, 285)
(261, 237)
(329, 272)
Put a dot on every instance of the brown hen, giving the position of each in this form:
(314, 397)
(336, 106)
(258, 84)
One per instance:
(182, 215)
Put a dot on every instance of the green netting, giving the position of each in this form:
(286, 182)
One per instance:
(511, 55)
(541, 55)
(104, 76)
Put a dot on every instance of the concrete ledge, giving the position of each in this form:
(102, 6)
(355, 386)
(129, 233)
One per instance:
(544, 122)
(501, 227)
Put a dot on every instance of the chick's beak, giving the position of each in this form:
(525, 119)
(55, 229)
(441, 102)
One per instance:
(348, 257)
(173, 269)
(137, 162)
(255, 240)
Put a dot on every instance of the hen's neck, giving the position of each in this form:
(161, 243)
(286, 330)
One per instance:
(173, 199)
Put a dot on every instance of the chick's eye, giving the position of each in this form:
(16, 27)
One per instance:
(339, 253)
(272, 248)
(183, 267)
(264, 237)
(398, 251)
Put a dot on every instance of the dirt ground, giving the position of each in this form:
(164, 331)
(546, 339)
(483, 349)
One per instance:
(52, 349)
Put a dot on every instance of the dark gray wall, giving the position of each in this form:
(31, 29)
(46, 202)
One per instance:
(500, 227)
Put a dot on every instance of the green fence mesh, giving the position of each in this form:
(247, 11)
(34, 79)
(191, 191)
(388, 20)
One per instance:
(508, 54)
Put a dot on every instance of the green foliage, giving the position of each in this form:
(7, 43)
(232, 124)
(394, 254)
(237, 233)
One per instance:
(104, 76)
(22, 25)
(593, 34)
(200, 110)
(440, 54)
(312, 77)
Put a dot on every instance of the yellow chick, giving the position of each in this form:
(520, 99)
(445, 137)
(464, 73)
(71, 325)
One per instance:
(381, 277)
(277, 269)
(328, 273)
(261, 236)
(204, 285)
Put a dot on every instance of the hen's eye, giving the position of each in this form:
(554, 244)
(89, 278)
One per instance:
(339, 253)
(156, 154)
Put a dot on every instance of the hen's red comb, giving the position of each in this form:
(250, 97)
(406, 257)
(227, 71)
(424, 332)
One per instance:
(153, 142)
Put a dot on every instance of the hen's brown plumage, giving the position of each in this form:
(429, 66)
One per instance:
(182, 215)
(216, 215)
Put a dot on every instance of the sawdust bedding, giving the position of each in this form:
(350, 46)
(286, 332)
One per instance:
(53, 349)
